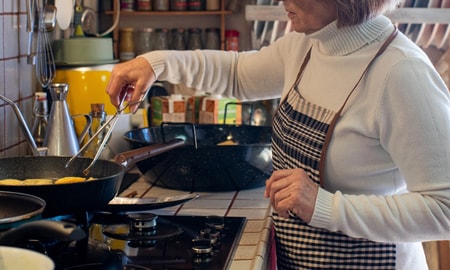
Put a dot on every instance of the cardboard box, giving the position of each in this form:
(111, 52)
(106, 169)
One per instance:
(213, 108)
(168, 109)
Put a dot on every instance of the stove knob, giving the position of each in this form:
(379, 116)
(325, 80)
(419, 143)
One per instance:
(202, 251)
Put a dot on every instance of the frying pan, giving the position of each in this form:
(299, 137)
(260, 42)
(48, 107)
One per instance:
(75, 197)
(214, 158)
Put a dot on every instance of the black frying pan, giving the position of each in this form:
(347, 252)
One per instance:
(213, 158)
(76, 197)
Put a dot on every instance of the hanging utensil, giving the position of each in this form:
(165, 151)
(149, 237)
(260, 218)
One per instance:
(45, 64)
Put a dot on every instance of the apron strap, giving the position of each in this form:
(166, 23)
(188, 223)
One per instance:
(338, 114)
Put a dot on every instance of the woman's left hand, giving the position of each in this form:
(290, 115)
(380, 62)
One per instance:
(292, 191)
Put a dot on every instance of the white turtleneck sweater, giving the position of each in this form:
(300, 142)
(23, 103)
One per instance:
(388, 164)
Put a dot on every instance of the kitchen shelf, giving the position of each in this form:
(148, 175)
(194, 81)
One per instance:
(124, 14)
(400, 15)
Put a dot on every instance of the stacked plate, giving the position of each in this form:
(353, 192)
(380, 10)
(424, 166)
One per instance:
(426, 35)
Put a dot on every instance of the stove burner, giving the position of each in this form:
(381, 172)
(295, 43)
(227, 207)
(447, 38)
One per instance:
(142, 230)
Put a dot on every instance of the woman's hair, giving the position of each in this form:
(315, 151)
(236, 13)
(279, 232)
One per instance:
(353, 12)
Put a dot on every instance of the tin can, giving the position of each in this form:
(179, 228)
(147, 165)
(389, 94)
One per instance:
(127, 5)
(212, 4)
(144, 40)
(212, 38)
(196, 5)
(195, 39)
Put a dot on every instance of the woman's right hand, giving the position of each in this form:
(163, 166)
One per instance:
(137, 73)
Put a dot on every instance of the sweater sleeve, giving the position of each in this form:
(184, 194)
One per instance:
(252, 75)
(413, 124)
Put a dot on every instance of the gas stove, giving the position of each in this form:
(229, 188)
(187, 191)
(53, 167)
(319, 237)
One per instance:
(147, 241)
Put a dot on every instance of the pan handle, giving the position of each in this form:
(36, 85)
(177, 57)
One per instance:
(129, 158)
(56, 230)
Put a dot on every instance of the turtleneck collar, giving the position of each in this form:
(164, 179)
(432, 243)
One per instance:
(343, 41)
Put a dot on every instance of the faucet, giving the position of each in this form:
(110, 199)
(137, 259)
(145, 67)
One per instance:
(37, 151)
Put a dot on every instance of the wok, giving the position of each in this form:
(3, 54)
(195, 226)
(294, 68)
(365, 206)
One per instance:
(214, 157)
(75, 197)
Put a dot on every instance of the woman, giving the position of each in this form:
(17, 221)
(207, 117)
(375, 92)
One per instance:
(361, 145)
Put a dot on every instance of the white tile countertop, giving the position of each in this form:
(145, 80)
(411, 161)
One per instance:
(253, 251)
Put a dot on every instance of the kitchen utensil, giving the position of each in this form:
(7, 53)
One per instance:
(72, 198)
(60, 138)
(245, 162)
(122, 204)
(19, 207)
(109, 125)
(45, 66)
(64, 13)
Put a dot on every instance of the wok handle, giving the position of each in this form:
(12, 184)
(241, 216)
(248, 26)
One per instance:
(129, 158)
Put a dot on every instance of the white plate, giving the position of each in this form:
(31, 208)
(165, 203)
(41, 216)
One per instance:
(12, 258)
(64, 13)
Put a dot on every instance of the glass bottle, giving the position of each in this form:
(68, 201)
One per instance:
(178, 39)
(40, 114)
(195, 39)
(98, 116)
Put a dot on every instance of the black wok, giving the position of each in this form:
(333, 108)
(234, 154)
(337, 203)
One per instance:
(213, 158)
(75, 197)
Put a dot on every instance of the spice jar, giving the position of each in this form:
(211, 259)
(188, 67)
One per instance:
(144, 41)
(231, 40)
(212, 39)
(143, 5)
(126, 44)
(195, 4)
(178, 39)
(161, 39)
(161, 5)
(195, 39)
(212, 4)
(127, 5)
(178, 5)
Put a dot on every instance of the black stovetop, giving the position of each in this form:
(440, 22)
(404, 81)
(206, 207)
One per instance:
(178, 242)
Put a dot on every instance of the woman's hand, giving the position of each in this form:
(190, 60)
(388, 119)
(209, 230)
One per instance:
(137, 73)
(292, 191)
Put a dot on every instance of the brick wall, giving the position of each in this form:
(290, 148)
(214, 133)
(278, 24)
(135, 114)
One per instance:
(17, 79)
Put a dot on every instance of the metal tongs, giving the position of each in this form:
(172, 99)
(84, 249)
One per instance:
(108, 125)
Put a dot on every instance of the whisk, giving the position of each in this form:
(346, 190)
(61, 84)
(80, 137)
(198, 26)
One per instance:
(45, 65)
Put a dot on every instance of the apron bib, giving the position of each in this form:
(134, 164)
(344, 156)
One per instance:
(301, 133)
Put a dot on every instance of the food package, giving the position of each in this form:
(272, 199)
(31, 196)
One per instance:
(168, 109)
(213, 109)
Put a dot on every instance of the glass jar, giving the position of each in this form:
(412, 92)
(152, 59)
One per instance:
(126, 44)
(178, 5)
(212, 4)
(196, 5)
(127, 5)
(144, 40)
(143, 5)
(195, 39)
(178, 39)
(161, 5)
(40, 115)
(212, 39)
(161, 39)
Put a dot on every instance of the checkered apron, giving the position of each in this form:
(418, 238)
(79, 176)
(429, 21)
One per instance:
(301, 132)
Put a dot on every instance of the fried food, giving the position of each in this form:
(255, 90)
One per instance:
(11, 182)
(70, 180)
(37, 181)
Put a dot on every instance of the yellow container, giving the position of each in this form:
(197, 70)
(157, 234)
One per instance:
(87, 85)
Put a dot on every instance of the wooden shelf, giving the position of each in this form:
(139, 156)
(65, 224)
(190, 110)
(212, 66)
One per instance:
(124, 14)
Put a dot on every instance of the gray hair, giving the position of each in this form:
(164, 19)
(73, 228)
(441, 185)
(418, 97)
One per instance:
(353, 12)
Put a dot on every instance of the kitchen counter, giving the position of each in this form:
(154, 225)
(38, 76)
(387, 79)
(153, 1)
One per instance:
(253, 251)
